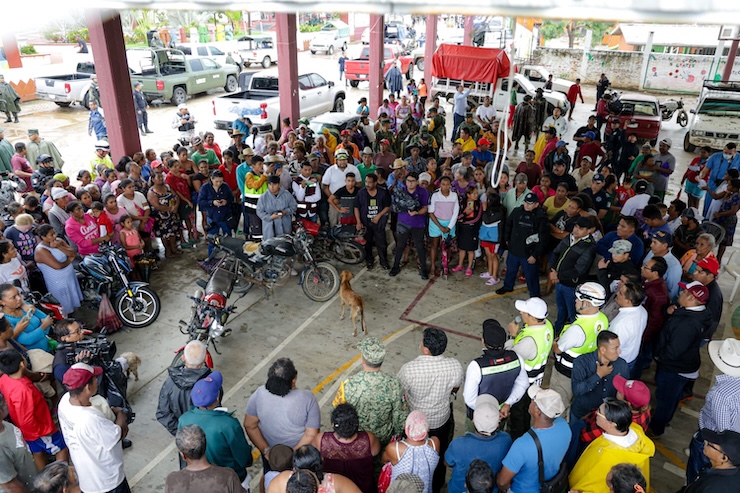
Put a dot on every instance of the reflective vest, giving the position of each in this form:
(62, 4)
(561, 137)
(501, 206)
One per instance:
(543, 336)
(309, 206)
(498, 373)
(188, 125)
(591, 325)
(252, 195)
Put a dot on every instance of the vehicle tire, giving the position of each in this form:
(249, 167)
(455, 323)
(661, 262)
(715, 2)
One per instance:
(179, 95)
(410, 72)
(241, 286)
(321, 282)
(349, 252)
(139, 311)
(231, 84)
(313, 52)
(354, 83)
(266, 62)
(688, 146)
(62, 105)
(338, 105)
(420, 64)
(86, 100)
(344, 46)
(330, 51)
(177, 361)
(683, 119)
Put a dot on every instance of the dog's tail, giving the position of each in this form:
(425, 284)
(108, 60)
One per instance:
(362, 318)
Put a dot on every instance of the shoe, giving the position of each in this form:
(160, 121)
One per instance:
(468, 272)
(126, 443)
(385, 266)
(8, 120)
(394, 272)
(16, 120)
(148, 131)
(370, 266)
(503, 291)
(492, 281)
(457, 268)
(424, 276)
(485, 275)
(293, 272)
(652, 435)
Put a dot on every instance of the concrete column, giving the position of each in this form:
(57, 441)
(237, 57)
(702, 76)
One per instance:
(12, 53)
(430, 47)
(727, 74)
(646, 59)
(719, 52)
(469, 31)
(377, 37)
(287, 25)
(116, 91)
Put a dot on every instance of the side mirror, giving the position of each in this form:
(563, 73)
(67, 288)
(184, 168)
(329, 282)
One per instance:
(692, 111)
(331, 84)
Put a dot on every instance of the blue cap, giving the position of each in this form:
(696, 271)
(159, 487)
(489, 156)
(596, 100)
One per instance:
(561, 143)
(590, 135)
(205, 391)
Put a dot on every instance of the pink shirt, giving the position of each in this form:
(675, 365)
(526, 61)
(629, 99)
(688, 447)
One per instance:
(83, 234)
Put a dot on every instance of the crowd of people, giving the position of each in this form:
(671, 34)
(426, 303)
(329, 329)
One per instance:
(634, 277)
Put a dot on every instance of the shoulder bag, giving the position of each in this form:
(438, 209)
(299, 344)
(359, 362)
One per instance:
(559, 482)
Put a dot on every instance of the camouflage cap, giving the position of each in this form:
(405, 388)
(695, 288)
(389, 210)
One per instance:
(372, 350)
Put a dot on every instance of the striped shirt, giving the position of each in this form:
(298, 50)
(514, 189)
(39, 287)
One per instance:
(721, 409)
(427, 382)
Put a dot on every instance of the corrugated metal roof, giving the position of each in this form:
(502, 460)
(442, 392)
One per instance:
(669, 34)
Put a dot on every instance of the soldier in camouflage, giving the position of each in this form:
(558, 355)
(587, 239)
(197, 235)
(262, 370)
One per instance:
(377, 396)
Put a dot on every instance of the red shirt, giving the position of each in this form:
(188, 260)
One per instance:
(178, 184)
(27, 408)
(229, 176)
(533, 174)
(573, 92)
(591, 149)
(624, 194)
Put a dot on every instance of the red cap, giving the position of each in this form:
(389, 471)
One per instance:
(385, 141)
(483, 142)
(709, 263)
(345, 132)
(634, 391)
(156, 163)
(79, 374)
(697, 290)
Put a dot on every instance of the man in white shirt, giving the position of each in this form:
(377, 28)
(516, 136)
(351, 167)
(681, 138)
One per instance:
(486, 114)
(94, 441)
(637, 203)
(335, 177)
(630, 322)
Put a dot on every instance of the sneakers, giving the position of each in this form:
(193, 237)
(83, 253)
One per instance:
(457, 268)
(485, 275)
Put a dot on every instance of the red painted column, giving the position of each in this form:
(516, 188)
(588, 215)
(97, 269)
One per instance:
(377, 38)
(430, 47)
(116, 91)
(727, 73)
(286, 27)
(12, 53)
(469, 30)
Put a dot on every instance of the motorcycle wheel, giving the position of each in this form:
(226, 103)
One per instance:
(141, 310)
(321, 282)
(348, 252)
(241, 286)
(682, 119)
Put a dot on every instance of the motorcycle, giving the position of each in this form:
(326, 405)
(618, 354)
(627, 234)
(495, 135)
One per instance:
(135, 303)
(270, 262)
(671, 106)
(341, 242)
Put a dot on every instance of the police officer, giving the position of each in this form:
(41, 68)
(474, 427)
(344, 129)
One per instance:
(578, 338)
(184, 122)
(44, 171)
(140, 104)
(533, 335)
(498, 372)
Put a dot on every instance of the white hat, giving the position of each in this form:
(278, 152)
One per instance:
(726, 356)
(547, 400)
(102, 144)
(533, 306)
(485, 416)
(58, 193)
(182, 106)
(667, 142)
(425, 176)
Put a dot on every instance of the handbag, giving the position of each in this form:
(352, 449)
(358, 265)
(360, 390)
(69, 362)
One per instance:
(559, 482)
(489, 232)
(384, 480)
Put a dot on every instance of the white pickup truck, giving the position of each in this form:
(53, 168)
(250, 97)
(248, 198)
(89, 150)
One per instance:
(257, 49)
(715, 122)
(65, 90)
(537, 75)
(261, 101)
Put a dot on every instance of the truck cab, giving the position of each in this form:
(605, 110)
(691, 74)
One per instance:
(257, 49)
(537, 76)
(716, 116)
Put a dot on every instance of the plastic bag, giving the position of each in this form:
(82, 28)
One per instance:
(107, 318)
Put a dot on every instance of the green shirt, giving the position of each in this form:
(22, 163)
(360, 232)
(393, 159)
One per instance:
(365, 171)
(209, 156)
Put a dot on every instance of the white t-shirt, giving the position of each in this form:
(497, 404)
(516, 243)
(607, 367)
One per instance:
(334, 177)
(134, 207)
(486, 114)
(629, 324)
(94, 444)
(634, 204)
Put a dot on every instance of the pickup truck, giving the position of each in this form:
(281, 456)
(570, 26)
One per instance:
(168, 74)
(65, 90)
(715, 117)
(257, 49)
(359, 69)
(537, 75)
(261, 101)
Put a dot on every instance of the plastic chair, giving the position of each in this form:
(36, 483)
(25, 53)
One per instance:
(732, 268)
(715, 230)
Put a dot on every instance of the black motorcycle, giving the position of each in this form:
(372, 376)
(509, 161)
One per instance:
(341, 242)
(135, 303)
(269, 264)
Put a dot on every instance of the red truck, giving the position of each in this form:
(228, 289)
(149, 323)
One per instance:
(359, 69)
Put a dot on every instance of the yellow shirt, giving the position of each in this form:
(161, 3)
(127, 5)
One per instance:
(551, 208)
(468, 145)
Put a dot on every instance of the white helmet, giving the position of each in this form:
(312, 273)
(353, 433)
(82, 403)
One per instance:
(592, 292)
(102, 144)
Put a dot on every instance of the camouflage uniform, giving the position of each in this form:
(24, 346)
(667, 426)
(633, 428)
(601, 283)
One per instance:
(473, 128)
(437, 126)
(383, 134)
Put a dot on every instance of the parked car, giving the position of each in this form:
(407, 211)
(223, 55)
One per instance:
(169, 75)
(203, 50)
(715, 117)
(261, 101)
(537, 75)
(359, 69)
(257, 49)
(396, 33)
(333, 36)
(335, 122)
(642, 114)
(65, 90)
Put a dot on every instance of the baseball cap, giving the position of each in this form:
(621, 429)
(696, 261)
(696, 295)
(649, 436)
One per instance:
(345, 132)
(667, 142)
(79, 374)
(709, 263)
(425, 136)
(156, 164)
(412, 145)
(32, 131)
(385, 141)
(590, 135)
(532, 198)
(641, 186)
(372, 349)
(58, 193)
(728, 440)
(485, 416)
(483, 142)
(425, 176)
(635, 391)
(561, 143)
(726, 356)
(692, 213)
(494, 335)
(533, 306)
(547, 400)
(551, 130)
(182, 106)
(620, 246)
(102, 144)
(583, 222)
(663, 237)
(416, 426)
(587, 158)
(615, 120)
(697, 290)
(197, 139)
(273, 179)
(205, 391)
(598, 177)
(61, 177)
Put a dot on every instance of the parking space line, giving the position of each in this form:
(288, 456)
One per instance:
(672, 458)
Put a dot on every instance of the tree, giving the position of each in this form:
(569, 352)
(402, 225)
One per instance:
(574, 28)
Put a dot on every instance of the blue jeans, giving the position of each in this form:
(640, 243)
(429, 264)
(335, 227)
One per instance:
(214, 227)
(530, 274)
(576, 446)
(457, 119)
(565, 297)
(697, 460)
(668, 391)
(643, 361)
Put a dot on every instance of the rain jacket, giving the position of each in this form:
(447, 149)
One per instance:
(174, 398)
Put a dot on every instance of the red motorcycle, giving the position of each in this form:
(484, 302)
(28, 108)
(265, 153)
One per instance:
(342, 242)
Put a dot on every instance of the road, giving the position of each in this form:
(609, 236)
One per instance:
(289, 325)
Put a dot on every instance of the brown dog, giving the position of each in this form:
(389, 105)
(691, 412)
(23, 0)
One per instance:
(132, 364)
(354, 300)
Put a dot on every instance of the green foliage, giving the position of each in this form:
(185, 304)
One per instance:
(552, 29)
(53, 36)
(575, 29)
(83, 33)
(307, 28)
(28, 50)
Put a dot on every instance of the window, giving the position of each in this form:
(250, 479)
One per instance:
(265, 83)
(209, 64)
(196, 65)
(317, 80)
(534, 75)
(216, 52)
(720, 107)
(202, 51)
(639, 108)
(304, 82)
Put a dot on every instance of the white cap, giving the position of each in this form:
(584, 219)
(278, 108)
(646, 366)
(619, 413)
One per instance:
(486, 414)
(533, 306)
(102, 144)
(667, 142)
(182, 106)
(547, 400)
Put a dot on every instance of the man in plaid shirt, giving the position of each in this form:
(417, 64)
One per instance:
(427, 382)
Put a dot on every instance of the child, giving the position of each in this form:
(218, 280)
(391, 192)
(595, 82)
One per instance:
(625, 192)
(129, 238)
(544, 189)
(468, 226)
(215, 198)
(31, 206)
(29, 411)
(491, 232)
(432, 168)
(105, 225)
(691, 177)
(109, 176)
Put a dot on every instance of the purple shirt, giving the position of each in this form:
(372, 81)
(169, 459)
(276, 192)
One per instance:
(418, 221)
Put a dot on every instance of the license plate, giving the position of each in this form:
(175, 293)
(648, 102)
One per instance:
(633, 125)
(52, 97)
(361, 76)
(49, 83)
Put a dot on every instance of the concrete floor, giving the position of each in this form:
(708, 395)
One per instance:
(290, 325)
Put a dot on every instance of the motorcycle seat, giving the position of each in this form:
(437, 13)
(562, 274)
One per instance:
(251, 247)
(234, 245)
